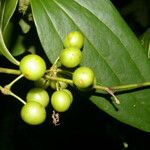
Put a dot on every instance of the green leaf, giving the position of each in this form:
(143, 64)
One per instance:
(7, 9)
(111, 49)
(145, 41)
(19, 47)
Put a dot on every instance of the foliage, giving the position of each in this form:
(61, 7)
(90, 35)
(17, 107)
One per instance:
(111, 49)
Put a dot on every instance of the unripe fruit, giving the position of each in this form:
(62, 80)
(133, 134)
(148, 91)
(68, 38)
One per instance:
(33, 113)
(32, 67)
(70, 57)
(74, 39)
(70, 94)
(38, 95)
(83, 77)
(61, 101)
(41, 83)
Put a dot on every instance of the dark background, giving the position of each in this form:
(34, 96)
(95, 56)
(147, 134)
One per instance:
(83, 125)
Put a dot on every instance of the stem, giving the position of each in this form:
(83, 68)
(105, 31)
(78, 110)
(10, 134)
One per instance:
(108, 90)
(17, 97)
(14, 81)
(113, 89)
(6, 90)
(66, 72)
(123, 87)
(96, 86)
(59, 79)
(56, 61)
(54, 66)
(9, 71)
(102, 88)
(130, 86)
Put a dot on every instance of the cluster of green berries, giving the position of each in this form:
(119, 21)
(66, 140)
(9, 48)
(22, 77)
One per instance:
(33, 67)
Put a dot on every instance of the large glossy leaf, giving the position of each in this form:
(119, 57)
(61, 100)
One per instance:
(111, 49)
(7, 9)
(145, 41)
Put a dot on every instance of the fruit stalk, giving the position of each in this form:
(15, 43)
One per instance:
(6, 90)
(9, 71)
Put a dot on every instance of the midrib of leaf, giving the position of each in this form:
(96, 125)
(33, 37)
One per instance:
(108, 64)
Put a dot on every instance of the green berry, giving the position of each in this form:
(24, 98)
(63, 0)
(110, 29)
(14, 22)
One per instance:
(38, 95)
(41, 83)
(83, 77)
(74, 39)
(61, 101)
(33, 113)
(32, 67)
(70, 94)
(70, 57)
